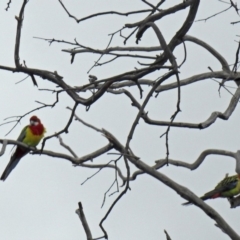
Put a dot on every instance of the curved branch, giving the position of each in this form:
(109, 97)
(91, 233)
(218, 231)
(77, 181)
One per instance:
(221, 59)
(199, 161)
(177, 39)
(213, 117)
(163, 44)
(224, 116)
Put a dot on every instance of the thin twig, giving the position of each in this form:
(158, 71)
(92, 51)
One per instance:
(19, 118)
(65, 129)
(234, 69)
(66, 146)
(8, 5)
(102, 13)
(117, 199)
(205, 19)
(115, 181)
(149, 4)
(167, 236)
(88, 178)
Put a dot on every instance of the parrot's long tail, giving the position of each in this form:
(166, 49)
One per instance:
(209, 195)
(18, 154)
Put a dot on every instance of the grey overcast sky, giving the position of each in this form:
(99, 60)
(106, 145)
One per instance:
(39, 199)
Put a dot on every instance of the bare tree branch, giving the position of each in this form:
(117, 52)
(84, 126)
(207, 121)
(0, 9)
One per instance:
(18, 35)
(202, 125)
(198, 77)
(83, 219)
(117, 199)
(199, 161)
(66, 146)
(220, 58)
(94, 154)
(102, 13)
(64, 130)
(4, 144)
(8, 5)
(158, 16)
(167, 236)
(166, 76)
(214, 15)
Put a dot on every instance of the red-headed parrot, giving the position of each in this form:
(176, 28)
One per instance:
(30, 135)
(227, 188)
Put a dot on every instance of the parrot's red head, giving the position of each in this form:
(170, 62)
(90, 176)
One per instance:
(34, 121)
(36, 126)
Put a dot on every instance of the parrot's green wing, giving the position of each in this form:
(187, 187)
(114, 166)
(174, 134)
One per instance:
(226, 188)
(22, 135)
(227, 183)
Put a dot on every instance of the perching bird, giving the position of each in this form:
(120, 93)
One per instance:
(227, 188)
(31, 135)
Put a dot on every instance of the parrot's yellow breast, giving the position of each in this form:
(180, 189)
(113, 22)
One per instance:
(32, 139)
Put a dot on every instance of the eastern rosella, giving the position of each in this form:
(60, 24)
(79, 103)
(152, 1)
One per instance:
(227, 188)
(30, 135)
